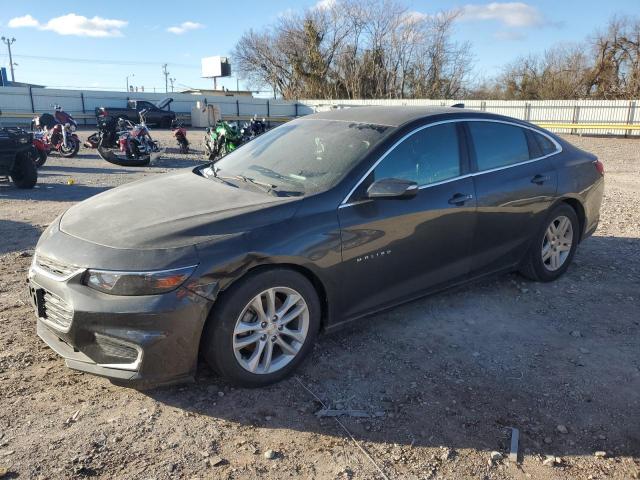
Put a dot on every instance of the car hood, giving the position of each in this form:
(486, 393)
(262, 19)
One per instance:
(172, 210)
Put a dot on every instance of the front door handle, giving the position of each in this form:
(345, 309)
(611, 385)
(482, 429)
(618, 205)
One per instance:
(540, 179)
(460, 199)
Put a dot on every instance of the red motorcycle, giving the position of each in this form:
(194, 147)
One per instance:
(40, 149)
(180, 133)
(58, 132)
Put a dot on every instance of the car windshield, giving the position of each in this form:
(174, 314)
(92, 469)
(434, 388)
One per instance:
(302, 157)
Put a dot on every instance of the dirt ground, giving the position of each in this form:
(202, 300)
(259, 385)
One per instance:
(444, 378)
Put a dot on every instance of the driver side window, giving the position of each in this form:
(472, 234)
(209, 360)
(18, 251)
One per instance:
(428, 156)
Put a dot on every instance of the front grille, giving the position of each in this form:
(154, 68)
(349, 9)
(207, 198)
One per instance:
(54, 267)
(56, 311)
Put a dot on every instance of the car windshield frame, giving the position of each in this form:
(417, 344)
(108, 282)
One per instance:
(300, 158)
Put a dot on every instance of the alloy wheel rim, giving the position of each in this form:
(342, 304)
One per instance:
(556, 243)
(271, 330)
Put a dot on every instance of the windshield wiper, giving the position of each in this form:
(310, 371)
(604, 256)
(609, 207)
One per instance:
(268, 187)
(267, 172)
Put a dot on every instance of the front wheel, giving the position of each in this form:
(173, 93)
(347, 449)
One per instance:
(24, 173)
(554, 245)
(72, 148)
(262, 328)
(39, 156)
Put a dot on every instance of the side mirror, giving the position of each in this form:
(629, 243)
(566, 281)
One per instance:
(392, 188)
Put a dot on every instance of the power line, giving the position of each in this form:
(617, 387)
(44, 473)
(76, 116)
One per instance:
(98, 62)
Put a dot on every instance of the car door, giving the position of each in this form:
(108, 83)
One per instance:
(393, 249)
(515, 184)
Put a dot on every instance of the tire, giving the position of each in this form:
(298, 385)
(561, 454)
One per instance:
(558, 261)
(24, 174)
(39, 157)
(72, 151)
(110, 156)
(220, 337)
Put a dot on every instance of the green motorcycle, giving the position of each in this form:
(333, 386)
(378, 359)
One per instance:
(221, 139)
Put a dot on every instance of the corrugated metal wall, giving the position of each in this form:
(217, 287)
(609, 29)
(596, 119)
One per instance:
(25, 101)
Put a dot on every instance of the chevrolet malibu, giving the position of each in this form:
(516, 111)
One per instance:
(321, 221)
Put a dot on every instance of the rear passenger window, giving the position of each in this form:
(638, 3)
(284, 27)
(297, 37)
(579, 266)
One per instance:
(546, 146)
(428, 156)
(498, 144)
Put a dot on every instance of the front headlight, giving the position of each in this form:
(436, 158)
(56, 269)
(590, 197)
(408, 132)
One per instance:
(137, 283)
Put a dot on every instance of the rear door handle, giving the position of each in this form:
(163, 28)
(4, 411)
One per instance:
(540, 179)
(460, 199)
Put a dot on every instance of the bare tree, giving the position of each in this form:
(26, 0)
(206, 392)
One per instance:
(356, 49)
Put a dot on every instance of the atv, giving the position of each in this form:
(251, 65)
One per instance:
(16, 157)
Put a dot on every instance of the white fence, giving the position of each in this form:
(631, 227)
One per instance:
(18, 104)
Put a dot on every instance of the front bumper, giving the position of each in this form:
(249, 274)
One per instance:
(140, 341)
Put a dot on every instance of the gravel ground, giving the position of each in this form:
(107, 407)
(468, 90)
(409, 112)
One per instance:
(444, 378)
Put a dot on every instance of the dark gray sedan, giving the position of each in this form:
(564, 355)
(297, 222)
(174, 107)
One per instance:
(321, 221)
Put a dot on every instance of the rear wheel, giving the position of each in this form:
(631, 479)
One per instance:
(24, 173)
(262, 328)
(554, 245)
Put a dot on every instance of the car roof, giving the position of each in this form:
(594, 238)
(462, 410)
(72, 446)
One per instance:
(393, 116)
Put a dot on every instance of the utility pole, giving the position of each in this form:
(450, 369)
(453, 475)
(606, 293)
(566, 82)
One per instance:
(172, 80)
(9, 42)
(165, 72)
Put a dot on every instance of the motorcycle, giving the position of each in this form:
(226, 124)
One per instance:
(221, 139)
(39, 149)
(134, 145)
(177, 127)
(108, 128)
(253, 128)
(58, 132)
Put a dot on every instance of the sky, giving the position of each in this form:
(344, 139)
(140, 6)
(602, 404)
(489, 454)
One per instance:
(88, 44)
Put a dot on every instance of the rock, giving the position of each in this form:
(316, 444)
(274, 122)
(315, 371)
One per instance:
(216, 461)
(221, 394)
(576, 333)
(548, 440)
(270, 455)
(3, 471)
(562, 429)
(268, 418)
(600, 454)
(551, 461)
(447, 454)
(583, 350)
(496, 456)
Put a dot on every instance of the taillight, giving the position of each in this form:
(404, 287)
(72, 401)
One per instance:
(599, 167)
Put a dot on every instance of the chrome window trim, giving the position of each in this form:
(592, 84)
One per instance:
(344, 202)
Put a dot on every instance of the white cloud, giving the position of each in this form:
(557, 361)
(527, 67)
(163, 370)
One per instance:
(185, 27)
(72, 24)
(324, 4)
(414, 16)
(511, 14)
(25, 21)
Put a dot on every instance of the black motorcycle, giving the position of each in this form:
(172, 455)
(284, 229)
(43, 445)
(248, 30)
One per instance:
(131, 146)
(253, 128)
